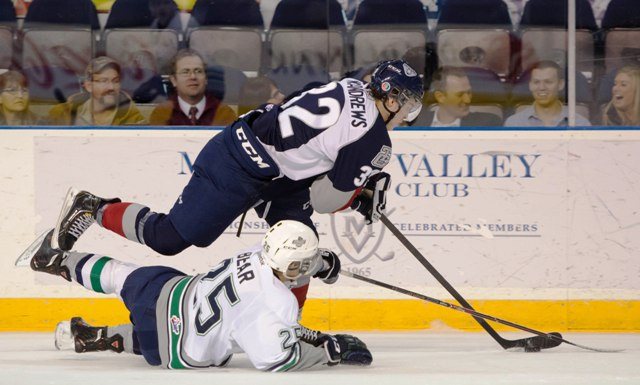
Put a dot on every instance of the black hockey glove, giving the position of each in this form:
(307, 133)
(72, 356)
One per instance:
(328, 273)
(372, 201)
(353, 351)
(331, 347)
(340, 348)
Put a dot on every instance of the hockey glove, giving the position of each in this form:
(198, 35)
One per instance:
(353, 351)
(341, 348)
(328, 273)
(372, 201)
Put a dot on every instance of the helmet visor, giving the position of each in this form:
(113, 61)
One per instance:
(297, 269)
(411, 103)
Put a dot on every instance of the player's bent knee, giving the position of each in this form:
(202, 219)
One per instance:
(161, 236)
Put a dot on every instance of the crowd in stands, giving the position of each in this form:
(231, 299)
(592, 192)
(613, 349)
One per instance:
(150, 63)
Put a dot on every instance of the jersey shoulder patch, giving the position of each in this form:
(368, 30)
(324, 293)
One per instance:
(382, 158)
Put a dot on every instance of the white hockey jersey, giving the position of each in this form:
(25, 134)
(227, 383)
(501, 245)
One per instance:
(237, 306)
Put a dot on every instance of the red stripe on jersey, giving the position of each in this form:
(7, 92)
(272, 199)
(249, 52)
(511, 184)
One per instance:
(301, 294)
(112, 217)
(355, 194)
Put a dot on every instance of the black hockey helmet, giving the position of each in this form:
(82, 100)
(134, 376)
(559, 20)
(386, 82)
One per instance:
(396, 79)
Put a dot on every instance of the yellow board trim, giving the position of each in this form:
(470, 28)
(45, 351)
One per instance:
(37, 314)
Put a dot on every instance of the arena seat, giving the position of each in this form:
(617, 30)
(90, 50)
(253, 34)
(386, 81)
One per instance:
(480, 48)
(57, 42)
(385, 29)
(316, 48)
(143, 54)
(473, 14)
(390, 12)
(544, 33)
(77, 13)
(622, 47)
(308, 14)
(129, 14)
(622, 14)
(54, 61)
(551, 44)
(621, 23)
(227, 13)
(8, 26)
(228, 33)
(475, 33)
(6, 46)
(553, 13)
(292, 79)
(7, 13)
(143, 35)
(234, 47)
(308, 34)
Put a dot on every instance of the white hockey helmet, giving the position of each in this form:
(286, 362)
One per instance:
(291, 248)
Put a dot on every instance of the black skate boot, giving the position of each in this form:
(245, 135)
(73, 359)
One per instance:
(44, 258)
(78, 212)
(89, 338)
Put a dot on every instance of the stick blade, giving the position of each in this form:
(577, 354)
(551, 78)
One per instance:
(537, 343)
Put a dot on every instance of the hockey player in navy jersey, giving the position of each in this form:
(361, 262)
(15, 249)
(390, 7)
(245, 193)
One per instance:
(322, 150)
(181, 321)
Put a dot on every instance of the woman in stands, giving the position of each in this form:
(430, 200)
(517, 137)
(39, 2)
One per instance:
(14, 101)
(624, 107)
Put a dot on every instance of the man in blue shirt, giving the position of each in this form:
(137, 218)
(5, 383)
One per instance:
(547, 80)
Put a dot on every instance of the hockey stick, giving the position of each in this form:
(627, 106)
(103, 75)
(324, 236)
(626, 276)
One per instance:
(505, 343)
(534, 344)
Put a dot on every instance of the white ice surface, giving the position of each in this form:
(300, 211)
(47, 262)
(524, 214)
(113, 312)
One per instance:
(399, 359)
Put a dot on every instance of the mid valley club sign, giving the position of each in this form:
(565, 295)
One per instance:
(489, 212)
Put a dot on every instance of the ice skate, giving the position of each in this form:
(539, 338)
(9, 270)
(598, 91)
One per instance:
(42, 257)
(89, 338)
(78, 212)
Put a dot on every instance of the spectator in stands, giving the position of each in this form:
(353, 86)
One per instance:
(624, 107)
(102, 102)
(14, 101)
(191, 104)
(546, 83)
(452, 91)
(258, 91)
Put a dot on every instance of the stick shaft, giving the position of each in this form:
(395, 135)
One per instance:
(473, 313)
(436, 301)
(412, 249)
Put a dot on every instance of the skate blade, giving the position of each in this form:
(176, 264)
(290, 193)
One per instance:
(25, 257)
(68, 201)
(63, 339)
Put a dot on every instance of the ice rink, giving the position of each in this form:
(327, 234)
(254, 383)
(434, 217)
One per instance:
(399, 359)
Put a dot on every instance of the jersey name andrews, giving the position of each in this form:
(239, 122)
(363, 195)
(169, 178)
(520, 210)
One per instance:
(356, 94)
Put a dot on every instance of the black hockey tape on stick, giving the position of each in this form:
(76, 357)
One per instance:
(531, 344)
(552, 339)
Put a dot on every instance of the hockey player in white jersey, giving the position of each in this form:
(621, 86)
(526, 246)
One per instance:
(241, 305)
